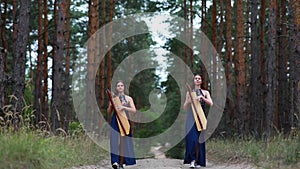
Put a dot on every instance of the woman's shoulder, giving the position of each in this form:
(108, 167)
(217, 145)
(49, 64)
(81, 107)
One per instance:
(205, 91)
(128, 97)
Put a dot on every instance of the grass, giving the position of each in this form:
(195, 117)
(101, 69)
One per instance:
(28, 149)
(33, 150)
(277, 153)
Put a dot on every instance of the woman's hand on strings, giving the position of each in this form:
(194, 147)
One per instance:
(201, 98)
(120, 108)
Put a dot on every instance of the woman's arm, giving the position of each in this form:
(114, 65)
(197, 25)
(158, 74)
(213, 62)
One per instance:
(206, 98)
(109, 108)
(131, 107)
(109, 111)
(187, 101)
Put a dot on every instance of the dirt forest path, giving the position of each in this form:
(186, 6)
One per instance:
(164, 163)
(161, 162)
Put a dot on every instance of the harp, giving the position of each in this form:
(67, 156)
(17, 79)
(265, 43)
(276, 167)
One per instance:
(123, 123)
(198, 112)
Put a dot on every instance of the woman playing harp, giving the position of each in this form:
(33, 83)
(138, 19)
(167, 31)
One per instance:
(195, 149)
(121, 147)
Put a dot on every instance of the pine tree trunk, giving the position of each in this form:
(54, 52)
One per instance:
(220, 42)
(15, 25)
(240, 67)
(45, 65)
(57, 109)
(255, 111)
(93, 52)
(191, 35)
(2, 81)
(277, 28)
(3, 56)
(38, 76)
(185, 29)
(283, 91)
(109, 55)
(204, 46)
(262, 63)
(20, 59)
(53, 117)
(247, 54)
(3, 38)
(229, 110)
(271, 71)
(297, 63)
(214, 42)
(294, 24)
(67, 99)
(214, 24)
(102, 64)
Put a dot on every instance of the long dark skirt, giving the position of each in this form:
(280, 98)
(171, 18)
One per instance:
(120, 144)
(194, 150)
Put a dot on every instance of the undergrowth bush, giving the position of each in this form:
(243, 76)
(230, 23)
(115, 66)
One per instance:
(32, 150)
(32, 147)
(279, 152)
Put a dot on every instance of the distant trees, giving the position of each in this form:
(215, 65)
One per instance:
(258, 44)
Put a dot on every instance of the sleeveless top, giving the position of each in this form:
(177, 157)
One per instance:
(123, 100)
(199, 93)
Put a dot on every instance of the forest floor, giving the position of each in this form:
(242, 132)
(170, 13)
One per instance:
(165, 163)
(161, 162)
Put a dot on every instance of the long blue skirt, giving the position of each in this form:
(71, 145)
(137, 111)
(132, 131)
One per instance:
(120, 144)
(194, 150)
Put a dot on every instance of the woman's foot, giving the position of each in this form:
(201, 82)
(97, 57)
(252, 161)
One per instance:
(192, 164)
(115, 165)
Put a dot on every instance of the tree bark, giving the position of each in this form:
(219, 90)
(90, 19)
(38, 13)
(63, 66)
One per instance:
(294, 42)
(2, 81)
(67, 97)
(214, 42)
(93, 52)
(109, 54)
(185, 29)
(38, 76)
(102, 64)
(15, 25)
(229, 110)
(297, 62)
(220, 41)
(20, 59)
(271, 71)
(191, 35)
(57, 109)
(53, 117)
(283, 91)
(240, 67)
(45, 65)
(204, 47)
(255, 111)
(262, 63)
(3, 56)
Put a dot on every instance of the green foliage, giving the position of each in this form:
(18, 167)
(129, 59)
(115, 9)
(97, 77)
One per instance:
(282, 152)
(149, 129)
(177, 151)
(76, 129)
(32, 150)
